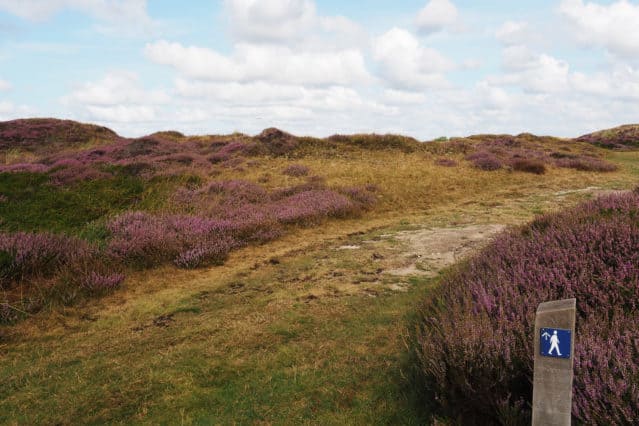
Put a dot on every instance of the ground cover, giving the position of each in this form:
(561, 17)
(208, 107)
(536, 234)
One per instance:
(303, 329)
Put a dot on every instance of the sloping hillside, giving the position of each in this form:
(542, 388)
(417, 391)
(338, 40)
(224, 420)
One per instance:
(620, 138)
(48, 135)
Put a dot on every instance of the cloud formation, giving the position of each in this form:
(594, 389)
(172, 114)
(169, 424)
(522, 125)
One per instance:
(117, 97)
(612, 26)
(250, 62)
(437, 15)
(406, 64)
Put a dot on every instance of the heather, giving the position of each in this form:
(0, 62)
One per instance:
(29, 255)
(620, 138)
(475, 333)
(308, 326)
(43, 135)
(148, 201)
(523, 153)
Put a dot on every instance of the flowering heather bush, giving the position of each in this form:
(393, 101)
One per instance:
(98, 282)
(212, 251)
(312, 206)
(69, 175)
(148, 240)
(25, 255)
(446, 162)
(474, 340)
(48, 134)
(237, 192)
(363, 197)
(287, 191)
(296, 170)
(587, 164)
(484, 160)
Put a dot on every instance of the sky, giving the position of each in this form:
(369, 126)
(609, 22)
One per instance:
(423, 68)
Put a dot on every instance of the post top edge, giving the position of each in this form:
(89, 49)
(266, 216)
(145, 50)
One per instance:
(557, 305)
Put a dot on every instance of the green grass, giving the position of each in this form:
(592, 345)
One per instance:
(260, 353)
(33, 204)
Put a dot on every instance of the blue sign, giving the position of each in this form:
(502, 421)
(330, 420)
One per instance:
(555, 342)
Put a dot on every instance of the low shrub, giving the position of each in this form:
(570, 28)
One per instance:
(312, 206)
(474, 335)
(363, 197)
(529, 166)
(25, 255)
(485, 160)
(277, 142)
(213, 251)
(588, 164)
(101, 282)
(147, 240)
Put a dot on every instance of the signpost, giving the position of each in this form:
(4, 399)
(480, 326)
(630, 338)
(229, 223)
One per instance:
(554, 353)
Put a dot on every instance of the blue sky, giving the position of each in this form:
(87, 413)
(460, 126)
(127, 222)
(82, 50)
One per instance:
(424, 68)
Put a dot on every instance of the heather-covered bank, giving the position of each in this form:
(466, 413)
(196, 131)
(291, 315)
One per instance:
(474, 335)
(39, 267)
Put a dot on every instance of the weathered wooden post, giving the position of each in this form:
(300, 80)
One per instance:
(554, 353)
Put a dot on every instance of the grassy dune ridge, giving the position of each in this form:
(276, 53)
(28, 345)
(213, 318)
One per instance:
(307, 327)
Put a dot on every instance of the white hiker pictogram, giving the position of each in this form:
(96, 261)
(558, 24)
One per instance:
(554, 343)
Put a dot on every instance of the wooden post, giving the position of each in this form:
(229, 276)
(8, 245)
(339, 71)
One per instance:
(554, 353)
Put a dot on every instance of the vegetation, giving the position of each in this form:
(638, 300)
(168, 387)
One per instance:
(620, 138)
(474, 335)
(244, 279)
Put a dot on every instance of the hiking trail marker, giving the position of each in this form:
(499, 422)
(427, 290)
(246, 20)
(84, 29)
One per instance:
(554, 354)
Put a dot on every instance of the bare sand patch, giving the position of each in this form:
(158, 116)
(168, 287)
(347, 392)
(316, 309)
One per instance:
(430, 250)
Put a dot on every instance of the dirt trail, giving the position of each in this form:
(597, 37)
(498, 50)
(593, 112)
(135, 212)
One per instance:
(430, 250)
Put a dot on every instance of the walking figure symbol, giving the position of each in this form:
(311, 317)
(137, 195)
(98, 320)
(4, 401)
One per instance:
(554, 344)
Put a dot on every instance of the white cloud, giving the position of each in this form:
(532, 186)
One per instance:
(293, 23)
(235, 92)
(535, 73)
(269, 20)
(405, 64)
(6, 107)
(402, 97)
(118, 16)
(122, 113)
(436, 16)
(118, 97)
(4, 85)
(622, 82)
(494, 97)
(115, 88)
(239, 95)
(612, 26)
(10, 111)
(262, 63)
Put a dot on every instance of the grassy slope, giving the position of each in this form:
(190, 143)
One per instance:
(256, 341)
